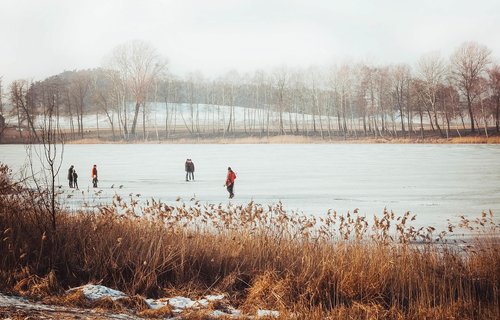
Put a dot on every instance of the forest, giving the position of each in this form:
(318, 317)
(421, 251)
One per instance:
(436, 96)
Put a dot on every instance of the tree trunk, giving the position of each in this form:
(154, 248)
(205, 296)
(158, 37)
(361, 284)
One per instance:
(166, 117)
(436, 120)
(421, 124)
(402, 119)
(471, 115)
(97, 123)
(136, 114)
(498, 113)
(144, 120)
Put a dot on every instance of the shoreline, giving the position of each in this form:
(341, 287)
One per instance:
(300, 140)
(92, 136)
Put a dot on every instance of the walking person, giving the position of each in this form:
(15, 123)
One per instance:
(75, 179)
(231, 176)
(94, 176)
(70, 176)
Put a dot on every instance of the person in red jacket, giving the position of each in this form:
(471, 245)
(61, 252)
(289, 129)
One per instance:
(230, 182)
(94, 176)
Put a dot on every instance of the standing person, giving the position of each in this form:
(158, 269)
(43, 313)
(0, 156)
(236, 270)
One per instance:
(189, 167)
(186, 168)
(191, 170)
(94, 176)
(70, 176)
(230, 182)
(75, 179)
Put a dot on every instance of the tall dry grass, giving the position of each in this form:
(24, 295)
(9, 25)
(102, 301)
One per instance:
(337, 266)
(476, 140)
(300, 139)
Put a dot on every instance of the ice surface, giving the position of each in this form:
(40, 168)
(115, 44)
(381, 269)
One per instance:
(435, 182)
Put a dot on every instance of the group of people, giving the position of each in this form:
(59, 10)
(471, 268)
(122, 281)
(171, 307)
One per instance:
(189, 166)
(73, 177)
(229, 184)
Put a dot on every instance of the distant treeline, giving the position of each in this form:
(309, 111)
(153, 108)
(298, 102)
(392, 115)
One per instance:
(459, 94)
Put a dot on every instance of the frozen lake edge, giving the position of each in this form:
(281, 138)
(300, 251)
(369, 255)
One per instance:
(436, 182)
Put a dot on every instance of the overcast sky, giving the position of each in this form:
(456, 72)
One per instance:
(41, 38)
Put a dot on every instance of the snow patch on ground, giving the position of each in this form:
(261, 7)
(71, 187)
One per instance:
(96, 292)
(157, 303)
(233, 313)
(267, 313)
(44, 311)
(181, 303)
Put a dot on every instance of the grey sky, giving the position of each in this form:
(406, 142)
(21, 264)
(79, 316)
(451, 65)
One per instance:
(41, 38)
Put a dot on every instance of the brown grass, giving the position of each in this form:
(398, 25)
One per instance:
(336, 266)
(298, 139)
(182, 136)
(476, 140)
(162, 312)
(285, 139)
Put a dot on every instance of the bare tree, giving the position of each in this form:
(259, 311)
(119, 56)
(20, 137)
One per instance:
(139, 65)
(342, 83)
(494, 81)
(484, 95)
(1, 96)
(280, 78)
(3, 125)
(432, 72)
(79, 89)
(104, 97)
(46, 142)
(402, 76)
(230, 84)
(22, 109)
(470, 62)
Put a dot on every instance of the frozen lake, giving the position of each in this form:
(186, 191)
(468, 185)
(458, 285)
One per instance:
(436, 182)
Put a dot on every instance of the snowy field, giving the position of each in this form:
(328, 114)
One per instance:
(206, 115)
(436, 182)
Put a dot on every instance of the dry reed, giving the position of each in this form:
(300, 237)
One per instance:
(335, 266)
(302, 139)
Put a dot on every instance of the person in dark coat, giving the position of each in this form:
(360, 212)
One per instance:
(231, 176)
(94, 176)
(70, 176)
(189, 167)
(75, 179)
